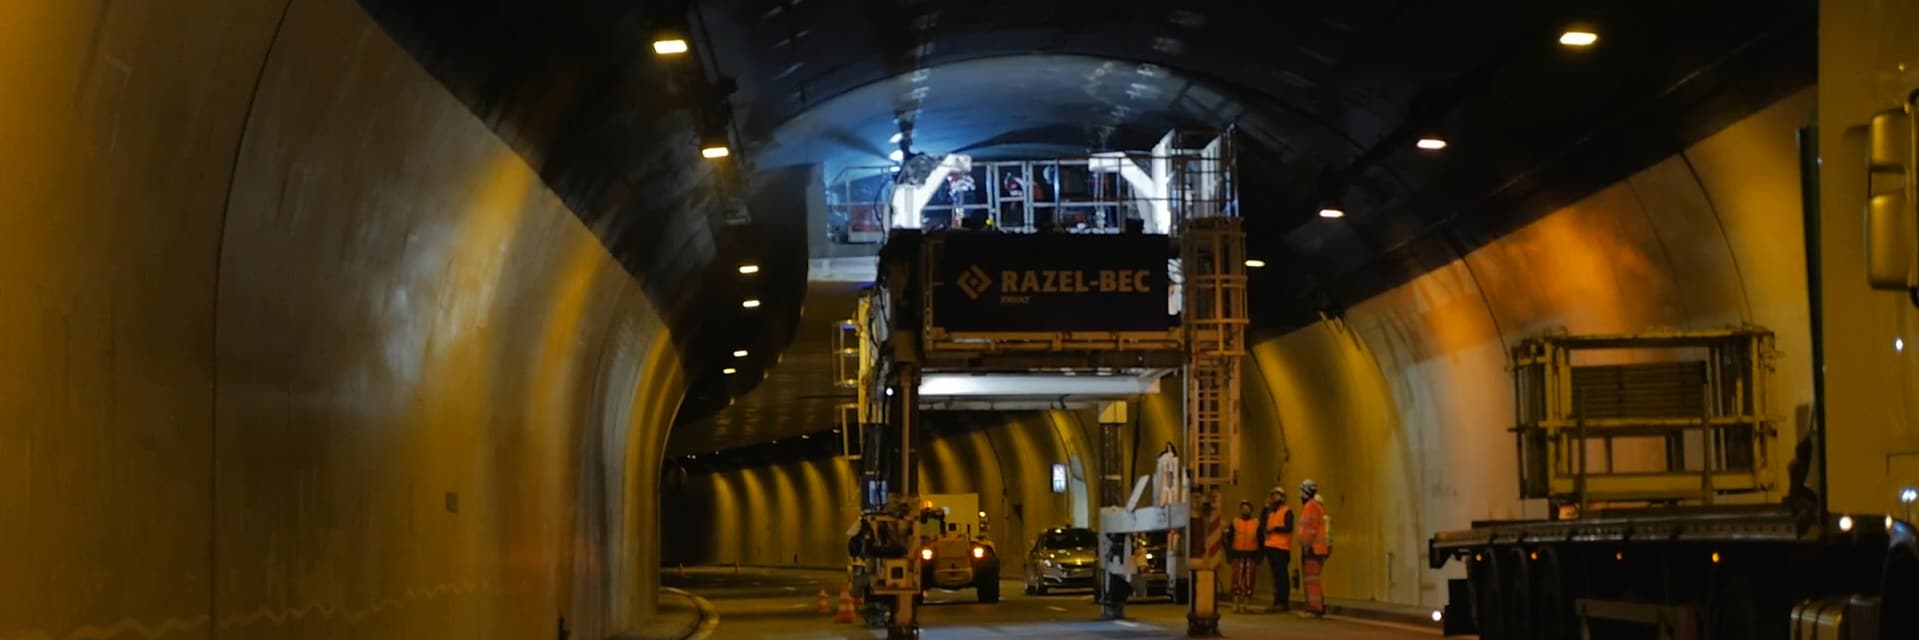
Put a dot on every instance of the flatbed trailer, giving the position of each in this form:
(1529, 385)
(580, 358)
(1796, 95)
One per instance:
(1717, 572)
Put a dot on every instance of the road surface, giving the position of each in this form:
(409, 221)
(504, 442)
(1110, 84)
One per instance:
(783, 604)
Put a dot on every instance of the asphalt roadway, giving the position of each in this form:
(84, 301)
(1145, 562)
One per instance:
(783, 604)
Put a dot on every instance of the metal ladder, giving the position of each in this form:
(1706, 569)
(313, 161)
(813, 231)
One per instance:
(1213, 255)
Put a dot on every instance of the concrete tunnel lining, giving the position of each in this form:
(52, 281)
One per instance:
(395, 388)
(300, 365)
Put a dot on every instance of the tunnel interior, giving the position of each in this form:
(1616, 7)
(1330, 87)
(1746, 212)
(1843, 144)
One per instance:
(417, 319)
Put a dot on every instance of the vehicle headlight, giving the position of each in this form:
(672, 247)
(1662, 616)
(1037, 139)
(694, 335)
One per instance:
(979, 552)
(926, 554)
(1149, 556)
(1046, 562)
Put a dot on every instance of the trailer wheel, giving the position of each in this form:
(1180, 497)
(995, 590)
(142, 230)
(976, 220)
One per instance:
(1899, 593)
(1489, 609)
(1520, 601)
(1555, 596)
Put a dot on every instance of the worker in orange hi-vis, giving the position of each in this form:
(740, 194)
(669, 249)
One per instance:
(1315, 544)
(1242, 547)
(1276, 520)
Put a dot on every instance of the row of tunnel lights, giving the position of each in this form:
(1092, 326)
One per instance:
(749, 303)
(1434, 142)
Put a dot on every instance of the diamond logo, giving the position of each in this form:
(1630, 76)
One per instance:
(974, 282)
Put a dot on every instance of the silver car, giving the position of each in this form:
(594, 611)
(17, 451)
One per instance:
(1062, 558)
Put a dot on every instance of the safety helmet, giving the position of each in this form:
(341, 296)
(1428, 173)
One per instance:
(1308, 488)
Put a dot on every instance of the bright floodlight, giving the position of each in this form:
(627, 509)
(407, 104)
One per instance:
(1436, 615)
(750, 304)
(1845, 523)
(896, 155)
(1578, 38)
(739, 353)
(1908, 495)
(897, 137)
(749, 269)
(671, 46)
(1255, 263)
(729, 371)
(1432, 144)
(715, 152)
(1330, 212)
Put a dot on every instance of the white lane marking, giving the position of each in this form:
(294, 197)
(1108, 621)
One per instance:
(1385, 625)
(1059, 609)
(1126, 623)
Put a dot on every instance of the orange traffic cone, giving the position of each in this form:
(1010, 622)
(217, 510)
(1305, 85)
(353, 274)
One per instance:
(826, 604)
(846, 605)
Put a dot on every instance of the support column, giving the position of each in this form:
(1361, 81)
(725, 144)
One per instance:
(905, 624)
(1113, 588)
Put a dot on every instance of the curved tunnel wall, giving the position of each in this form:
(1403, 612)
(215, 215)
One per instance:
(298, 349)
(797, 514)
(1399, 408)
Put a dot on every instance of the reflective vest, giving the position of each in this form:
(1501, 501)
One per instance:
(1275, 520)
(1311, 528)
(1245, 534)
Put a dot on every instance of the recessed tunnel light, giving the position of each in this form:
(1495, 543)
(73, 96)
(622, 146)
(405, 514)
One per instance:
(739, 353)
(714, 152)
(729, 371)
(749, 269)
(1330, 212)
(750, 304)
(1255, 263)
(669, 46)
(1578, 38)
(1432, 143)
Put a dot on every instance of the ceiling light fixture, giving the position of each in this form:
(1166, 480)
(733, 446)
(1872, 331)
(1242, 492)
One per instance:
(715, 152)
(669, 46)
(729, 371)
(750, 304)
(1432, 143)
(897, 137)
(896, 155)
(739, 353)
(1255, 263)
(1332, 212)
(1578, 38)
(749, 269)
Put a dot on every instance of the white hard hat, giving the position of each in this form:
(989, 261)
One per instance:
(1308, 486)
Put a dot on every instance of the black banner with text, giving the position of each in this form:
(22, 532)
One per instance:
(1050, 282)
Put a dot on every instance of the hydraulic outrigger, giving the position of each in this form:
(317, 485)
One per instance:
(1117, 302)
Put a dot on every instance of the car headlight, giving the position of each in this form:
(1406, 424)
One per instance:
(926, 554)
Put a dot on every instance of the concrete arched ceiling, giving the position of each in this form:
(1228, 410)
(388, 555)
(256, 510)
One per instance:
(1328, 94)
(1320, 93)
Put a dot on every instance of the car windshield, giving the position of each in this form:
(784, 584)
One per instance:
(1069, 539)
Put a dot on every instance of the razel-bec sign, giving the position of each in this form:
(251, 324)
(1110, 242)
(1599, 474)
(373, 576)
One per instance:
(987, 282)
